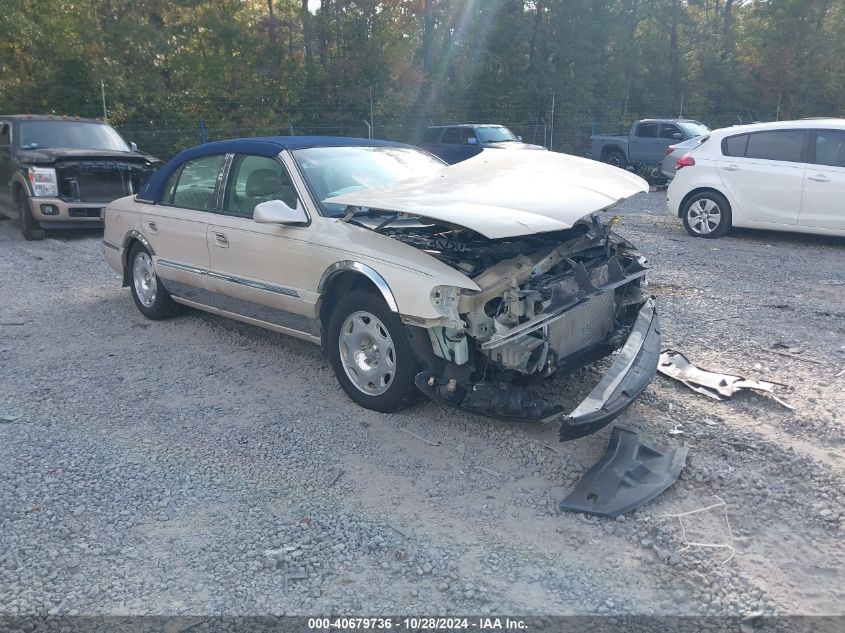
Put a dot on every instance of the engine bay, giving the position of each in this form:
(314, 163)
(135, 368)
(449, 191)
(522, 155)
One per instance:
(545, 300)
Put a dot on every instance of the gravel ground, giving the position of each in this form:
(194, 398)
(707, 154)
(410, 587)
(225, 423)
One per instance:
(202, 466)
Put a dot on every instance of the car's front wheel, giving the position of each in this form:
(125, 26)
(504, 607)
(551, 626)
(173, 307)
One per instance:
(151, 298)
(29, 227)
(707, 214)
(370, 353)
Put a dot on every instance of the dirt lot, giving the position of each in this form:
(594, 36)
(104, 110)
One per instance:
(201, 466)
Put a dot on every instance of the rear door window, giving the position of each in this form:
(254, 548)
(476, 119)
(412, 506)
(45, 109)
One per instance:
(452, 136)
(782, 145)
(170, 187)
(432, 135)
(830, 148)
(197, 183)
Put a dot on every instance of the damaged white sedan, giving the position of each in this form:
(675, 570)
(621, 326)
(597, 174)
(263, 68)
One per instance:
(464, 282)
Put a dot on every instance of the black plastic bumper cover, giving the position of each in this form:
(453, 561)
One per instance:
(626, 379)
(628, 475)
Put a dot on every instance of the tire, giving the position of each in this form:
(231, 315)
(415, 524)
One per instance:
(707, 214)
(616, 158)
(370, 353)
(31, 230)
(151, 298)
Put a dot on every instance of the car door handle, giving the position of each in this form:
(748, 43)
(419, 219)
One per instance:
(221, 240)
(819, 178)
(730, 168)
(153, 228)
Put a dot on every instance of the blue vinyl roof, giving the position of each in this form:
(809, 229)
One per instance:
(262, 146)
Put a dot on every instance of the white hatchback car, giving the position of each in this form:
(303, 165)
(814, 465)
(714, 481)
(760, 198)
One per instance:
(784, 176)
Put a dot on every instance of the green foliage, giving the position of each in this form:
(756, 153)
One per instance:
(249, 67)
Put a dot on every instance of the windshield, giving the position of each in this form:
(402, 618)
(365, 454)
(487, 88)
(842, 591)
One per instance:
(70, 135)
(332, 171)
(695, 128)
(494, 134)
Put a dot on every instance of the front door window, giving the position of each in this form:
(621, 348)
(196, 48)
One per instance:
(257, 179)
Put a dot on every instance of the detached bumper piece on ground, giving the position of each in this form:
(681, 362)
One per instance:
(711, 384)
(630, 474)
(633, 369)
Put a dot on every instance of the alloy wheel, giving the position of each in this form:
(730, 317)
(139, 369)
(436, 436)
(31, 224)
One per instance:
(704, 216)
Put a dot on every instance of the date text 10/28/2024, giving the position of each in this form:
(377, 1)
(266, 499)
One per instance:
(416, 624)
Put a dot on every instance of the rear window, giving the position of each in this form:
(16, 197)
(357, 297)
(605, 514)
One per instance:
(782, 145)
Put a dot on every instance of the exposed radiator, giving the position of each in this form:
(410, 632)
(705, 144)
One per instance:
(584, 326)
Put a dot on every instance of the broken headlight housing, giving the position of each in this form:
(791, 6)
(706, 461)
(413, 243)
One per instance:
(43, 181)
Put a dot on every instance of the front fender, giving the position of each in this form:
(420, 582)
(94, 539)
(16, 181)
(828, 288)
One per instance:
(19, 178)
(367, 271)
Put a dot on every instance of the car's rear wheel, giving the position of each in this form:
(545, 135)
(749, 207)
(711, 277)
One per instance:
(370, 353)
(151, 298)
(616, 158)
(29, 227)
(707, 215)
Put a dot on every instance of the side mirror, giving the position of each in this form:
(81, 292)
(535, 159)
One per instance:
(518, 138)
(678, 136)
(133, 146)
(472, 140)
(278, 212)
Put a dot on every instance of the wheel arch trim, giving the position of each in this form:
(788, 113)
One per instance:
(137, 235)
(19, 180)
(613, 147)
(362, 269)
(124, 256)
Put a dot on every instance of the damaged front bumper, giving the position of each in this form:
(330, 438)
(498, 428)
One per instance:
(626, 379)
(633, 369)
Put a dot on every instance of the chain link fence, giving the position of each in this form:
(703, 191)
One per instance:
(178, 121)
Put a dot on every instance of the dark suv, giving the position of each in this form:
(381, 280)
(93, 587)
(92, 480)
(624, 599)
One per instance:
(60, 172)
(454, 143)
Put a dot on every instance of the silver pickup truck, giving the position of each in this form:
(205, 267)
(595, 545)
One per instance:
(644, 147)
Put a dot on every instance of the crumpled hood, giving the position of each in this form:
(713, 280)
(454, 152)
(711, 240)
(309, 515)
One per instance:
(503, 194)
